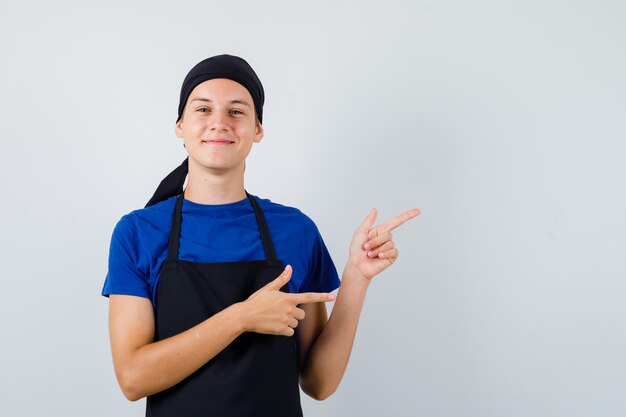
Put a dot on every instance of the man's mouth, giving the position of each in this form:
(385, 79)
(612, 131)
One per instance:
(217, 141)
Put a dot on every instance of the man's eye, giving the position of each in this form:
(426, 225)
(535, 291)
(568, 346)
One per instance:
(203, 108)
(237, 111)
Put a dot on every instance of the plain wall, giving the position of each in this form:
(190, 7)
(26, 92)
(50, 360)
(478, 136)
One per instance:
(504, 122)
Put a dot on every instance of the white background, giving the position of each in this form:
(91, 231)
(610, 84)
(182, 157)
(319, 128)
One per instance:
(504, 122)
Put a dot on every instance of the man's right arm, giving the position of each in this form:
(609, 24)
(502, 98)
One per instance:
(144, 367)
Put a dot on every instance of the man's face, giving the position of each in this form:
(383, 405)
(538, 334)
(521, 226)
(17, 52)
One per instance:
(218, 125)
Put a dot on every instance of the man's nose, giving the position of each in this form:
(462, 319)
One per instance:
(218, 121)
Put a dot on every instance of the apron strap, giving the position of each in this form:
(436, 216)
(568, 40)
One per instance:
(174, 241)
(270, 253)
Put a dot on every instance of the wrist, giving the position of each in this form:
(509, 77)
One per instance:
(353, 275)
(239, 317)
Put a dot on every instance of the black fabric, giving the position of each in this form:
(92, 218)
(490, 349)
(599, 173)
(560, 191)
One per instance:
(224, 66)
(256, 374)
(171, 185)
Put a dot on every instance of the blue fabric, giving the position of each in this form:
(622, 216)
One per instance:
(215, 233)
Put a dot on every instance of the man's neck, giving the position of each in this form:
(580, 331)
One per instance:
(207, 187)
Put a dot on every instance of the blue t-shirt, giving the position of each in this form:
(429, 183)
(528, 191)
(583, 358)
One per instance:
(216, 233)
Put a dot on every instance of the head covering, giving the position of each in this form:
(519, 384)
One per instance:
(223, 66)
(219, 66)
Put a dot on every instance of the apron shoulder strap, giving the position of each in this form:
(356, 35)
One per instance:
(270, 253)
(174, 241)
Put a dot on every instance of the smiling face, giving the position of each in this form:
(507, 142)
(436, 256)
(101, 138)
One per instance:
(219, 126)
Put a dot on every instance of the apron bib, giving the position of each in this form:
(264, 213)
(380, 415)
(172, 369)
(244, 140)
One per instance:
(257, 374)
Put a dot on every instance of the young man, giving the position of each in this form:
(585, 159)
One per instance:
(204, 317)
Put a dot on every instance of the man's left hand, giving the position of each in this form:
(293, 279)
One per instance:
(372, 249)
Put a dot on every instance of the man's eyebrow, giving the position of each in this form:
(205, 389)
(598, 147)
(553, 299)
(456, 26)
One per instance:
(245, 103)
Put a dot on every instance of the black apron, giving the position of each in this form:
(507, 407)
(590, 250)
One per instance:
(257, 374)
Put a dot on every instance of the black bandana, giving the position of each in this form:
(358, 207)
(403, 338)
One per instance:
(224, 66)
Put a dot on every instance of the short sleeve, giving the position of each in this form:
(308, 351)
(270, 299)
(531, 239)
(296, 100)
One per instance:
(321, 272)
(124, 276)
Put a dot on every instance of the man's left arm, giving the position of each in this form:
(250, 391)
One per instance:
(324, 346)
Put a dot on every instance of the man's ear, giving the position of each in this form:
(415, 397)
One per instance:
(259, 132)
(179, 128)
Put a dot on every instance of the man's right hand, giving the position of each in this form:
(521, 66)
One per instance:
(271, 311)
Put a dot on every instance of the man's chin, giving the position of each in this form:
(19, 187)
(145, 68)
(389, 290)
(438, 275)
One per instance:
(215, 167)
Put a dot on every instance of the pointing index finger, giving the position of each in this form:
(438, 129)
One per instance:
(399, 219)
(312, 297)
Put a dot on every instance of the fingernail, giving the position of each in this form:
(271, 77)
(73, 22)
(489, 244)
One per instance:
(367, 246)
(382, 255)
(331, 297)
(370, 253)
